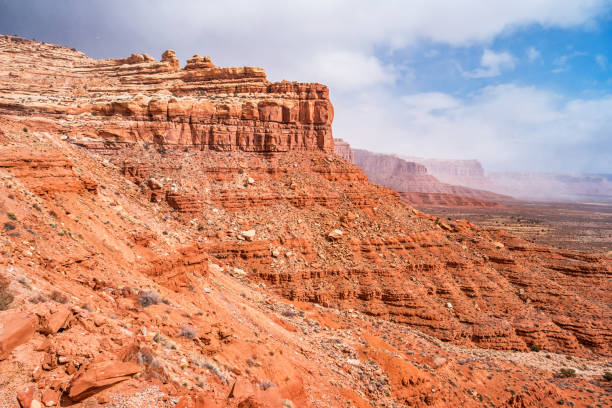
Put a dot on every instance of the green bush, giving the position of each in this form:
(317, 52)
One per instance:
(567, 372)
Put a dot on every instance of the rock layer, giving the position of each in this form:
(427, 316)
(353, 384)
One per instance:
(106, 103)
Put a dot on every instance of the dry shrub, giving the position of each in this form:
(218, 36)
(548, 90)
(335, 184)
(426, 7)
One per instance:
(188, 332)
(5, 297)
(148, 298)
(58, 297)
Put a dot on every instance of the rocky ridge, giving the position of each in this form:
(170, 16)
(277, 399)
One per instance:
(146, 268)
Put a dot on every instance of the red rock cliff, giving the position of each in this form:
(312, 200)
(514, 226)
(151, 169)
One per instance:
(137, 99)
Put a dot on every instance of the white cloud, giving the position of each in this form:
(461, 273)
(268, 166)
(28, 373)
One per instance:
(285, 37)
(602, 61)
(562, 62)
(346, 71)
(429, 102)
(533, 54)
(492, 64)
(507, 127)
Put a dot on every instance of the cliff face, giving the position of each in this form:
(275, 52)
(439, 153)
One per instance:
(114, 102)
(149, 265)
(414, 183)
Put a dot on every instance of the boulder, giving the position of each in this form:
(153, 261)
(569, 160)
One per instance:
(25, 395)
(16, 328)
(53, 318)
(50, 397)
(241, 389)
(335, 235)
(248, 234)
(97, 376)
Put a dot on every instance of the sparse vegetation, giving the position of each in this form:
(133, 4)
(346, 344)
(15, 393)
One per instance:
(5, 297)
(265, 384)
(188, 332)
(86, 306)
(213, 368)
(148, 297)
(288, 313)
(608, 376)
(58, 297)
(567, 372)
(146, 356)
(535, 347)
(38, 298)
(11, 215)
(9, 226)
(160, 339)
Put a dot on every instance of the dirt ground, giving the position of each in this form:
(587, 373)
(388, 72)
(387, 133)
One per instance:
(579, 226)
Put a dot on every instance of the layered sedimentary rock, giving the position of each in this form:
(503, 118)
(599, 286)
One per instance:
(408, 177)
(106, 103)
(219, 274)
(343, 149)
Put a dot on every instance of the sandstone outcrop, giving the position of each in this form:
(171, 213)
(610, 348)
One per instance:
(116, 102)
(99, 375)
(15, 329)
(162, 269)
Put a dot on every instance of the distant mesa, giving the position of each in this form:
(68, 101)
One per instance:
(413, 181)
(343, 149)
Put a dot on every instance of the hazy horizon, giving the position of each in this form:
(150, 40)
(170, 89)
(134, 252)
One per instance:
(522, 87)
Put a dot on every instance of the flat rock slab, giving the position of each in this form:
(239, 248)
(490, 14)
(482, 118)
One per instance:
(16, 328)
(97, 376)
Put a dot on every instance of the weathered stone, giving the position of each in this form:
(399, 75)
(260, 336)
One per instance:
(16, 328)
(96, 376)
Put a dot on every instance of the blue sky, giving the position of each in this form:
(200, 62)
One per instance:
(575, 62)
(522, 86)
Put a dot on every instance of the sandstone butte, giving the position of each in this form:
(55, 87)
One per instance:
(186, 237)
